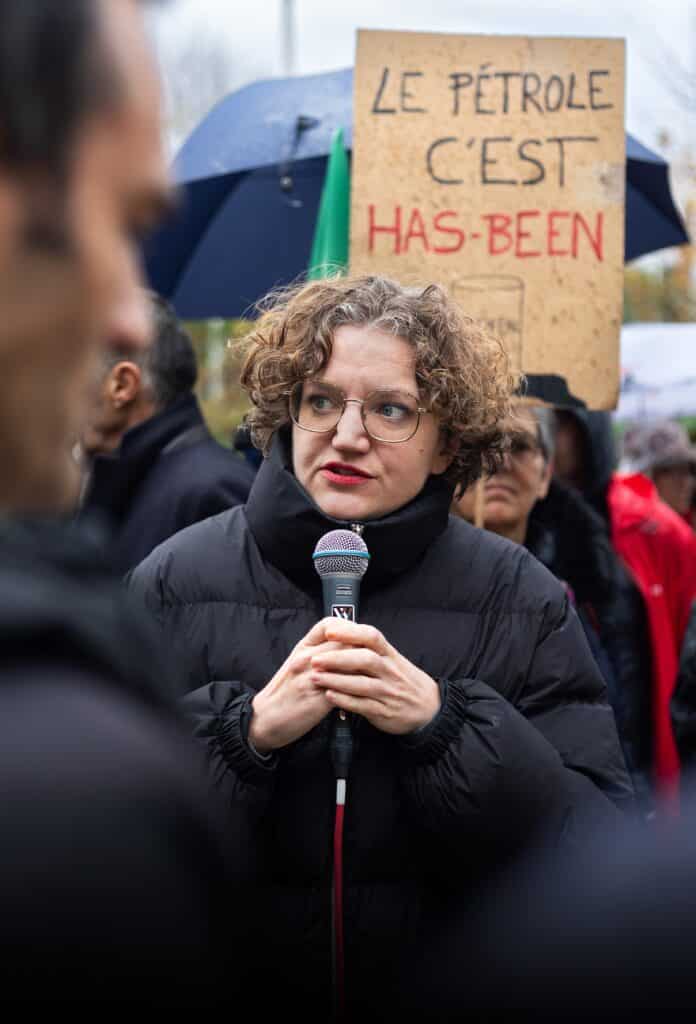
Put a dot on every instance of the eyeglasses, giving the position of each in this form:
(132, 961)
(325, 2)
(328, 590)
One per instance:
(388, 414)
(523, 445)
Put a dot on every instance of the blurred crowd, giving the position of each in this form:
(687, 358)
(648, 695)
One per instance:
(612, 519)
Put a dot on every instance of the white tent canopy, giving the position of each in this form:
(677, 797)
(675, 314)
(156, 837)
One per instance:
(658, 371)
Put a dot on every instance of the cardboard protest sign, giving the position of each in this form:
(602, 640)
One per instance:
(496, 165)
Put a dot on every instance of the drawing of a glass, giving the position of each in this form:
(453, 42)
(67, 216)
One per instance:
(497, 300)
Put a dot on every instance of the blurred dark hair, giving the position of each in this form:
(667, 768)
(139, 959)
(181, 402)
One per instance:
(168, 364)
(170, 361)
(55, 71)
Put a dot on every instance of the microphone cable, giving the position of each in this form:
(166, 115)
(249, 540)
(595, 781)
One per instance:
(341, 755)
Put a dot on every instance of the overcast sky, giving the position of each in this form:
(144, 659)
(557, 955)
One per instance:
(324, 37)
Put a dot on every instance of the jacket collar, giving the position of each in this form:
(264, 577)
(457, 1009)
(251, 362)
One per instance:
(540, 541)
(155, 433)
(116, 478)
(286, 523)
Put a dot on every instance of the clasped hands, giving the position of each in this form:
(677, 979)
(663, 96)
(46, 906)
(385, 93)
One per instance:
(347, 665)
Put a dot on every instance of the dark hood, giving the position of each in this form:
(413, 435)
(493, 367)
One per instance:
(61, 604)
(570, 538)
(600, 448)
(287, 524)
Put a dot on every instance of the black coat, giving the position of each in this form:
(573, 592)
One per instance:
(572, 540)
(683, 703)
(113, 874)
(168, 473)
(524, 741)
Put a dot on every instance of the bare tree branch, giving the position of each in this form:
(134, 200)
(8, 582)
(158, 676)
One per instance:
(669, 69)
(198, 69)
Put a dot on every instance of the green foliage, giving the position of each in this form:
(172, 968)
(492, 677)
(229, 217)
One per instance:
(689, 422)
(658, 297)
(222, 400)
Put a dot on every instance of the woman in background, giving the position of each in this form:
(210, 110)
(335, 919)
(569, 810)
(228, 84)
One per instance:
(524, 502)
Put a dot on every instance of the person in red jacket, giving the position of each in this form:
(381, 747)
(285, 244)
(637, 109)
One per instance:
(658, 548)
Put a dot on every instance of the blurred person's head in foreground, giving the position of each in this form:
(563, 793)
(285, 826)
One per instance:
(82, 175)
(510, 494)
(380, 386)
(662, 450)
(135, 385)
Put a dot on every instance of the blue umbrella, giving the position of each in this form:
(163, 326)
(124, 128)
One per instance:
(251, 176)
(652, 219)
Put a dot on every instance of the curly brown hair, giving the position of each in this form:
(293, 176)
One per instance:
(463, 373)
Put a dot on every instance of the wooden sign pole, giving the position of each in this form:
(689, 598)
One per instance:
(480, 503)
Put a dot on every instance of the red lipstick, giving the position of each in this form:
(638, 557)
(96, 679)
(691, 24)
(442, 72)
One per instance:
(344, 475)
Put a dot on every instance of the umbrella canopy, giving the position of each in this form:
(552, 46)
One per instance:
(652, 219)
(251, 177)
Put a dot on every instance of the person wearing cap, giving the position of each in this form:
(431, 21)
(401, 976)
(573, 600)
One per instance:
(663, 452)
(480, 719)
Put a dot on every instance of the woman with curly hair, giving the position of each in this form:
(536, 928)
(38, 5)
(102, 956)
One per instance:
(479, 719)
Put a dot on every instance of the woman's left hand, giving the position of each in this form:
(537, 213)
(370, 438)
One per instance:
(369, 677)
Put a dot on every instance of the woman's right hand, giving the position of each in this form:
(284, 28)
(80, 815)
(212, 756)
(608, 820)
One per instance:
(291, 704)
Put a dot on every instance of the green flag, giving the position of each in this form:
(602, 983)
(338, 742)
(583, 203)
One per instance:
(330, 246)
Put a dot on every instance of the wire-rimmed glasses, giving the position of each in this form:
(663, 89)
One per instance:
(388, 414)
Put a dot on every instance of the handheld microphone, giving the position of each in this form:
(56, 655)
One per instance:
(341, 558)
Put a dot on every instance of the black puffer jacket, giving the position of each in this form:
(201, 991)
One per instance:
(524, 741)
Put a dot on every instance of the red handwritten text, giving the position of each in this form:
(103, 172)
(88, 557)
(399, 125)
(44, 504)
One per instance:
(526, 234)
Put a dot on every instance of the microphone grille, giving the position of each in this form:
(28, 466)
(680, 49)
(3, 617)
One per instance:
(341, 551)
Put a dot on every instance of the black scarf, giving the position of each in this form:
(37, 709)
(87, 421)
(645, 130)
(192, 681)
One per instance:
(286, 523)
